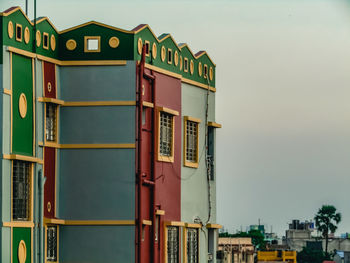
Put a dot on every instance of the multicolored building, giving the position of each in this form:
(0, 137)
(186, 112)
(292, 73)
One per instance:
(108, 145)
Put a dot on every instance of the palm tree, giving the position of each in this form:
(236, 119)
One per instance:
(326, 221)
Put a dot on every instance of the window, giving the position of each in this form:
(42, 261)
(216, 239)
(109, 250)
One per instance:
(210, 152)
(205, 71)
(186, 64)
(166, 134)
(51, 243)
(46, 40)
(191, 138)
(170, 56)
(18, 32)
(51, 113)
(92, 44)
(192, 245)
(148, 49)
(21, 190)
(172, 244)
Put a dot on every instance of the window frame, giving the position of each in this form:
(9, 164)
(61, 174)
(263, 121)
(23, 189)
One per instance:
(185, 235)
(148, 51)
(170, 56)
(55, 141)
(45, 34)
(173, 113)
(30, 197)
(185, 65)
(179, 226)
(189, 163)
(57, 244)
(87, 38)
(19, 39)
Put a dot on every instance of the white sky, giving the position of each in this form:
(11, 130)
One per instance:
(283, 91)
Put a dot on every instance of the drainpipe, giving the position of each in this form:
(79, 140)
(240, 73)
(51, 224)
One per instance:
(41, 182)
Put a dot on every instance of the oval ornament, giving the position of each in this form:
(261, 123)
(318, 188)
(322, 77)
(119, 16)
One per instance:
(163, 53)
(26, 35)
(211, 74)
(114, 42)
(22, 252)
(154, 51)
(10, 29)
(176, 58)
(53, 42)
(22, 105)
(71, 44)
(191, 67)
(139, 46)
(38, 38)
(200, 69)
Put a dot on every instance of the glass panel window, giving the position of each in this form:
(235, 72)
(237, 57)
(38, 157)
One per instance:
(191, 141)
(192, 245)
(51, 110)
(21, 190)
(51, 245)
(173, 244)
(166, 134)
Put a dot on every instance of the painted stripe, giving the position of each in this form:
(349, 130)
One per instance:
(99, 146)
(189, 118)
(163, 71)
(18, 224)
(198, 84)
(51, 100)
(94, 63)
(22, 158)
(21, 52)
(8, 92)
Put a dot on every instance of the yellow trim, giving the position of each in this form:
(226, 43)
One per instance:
(211, 73)
(48, 40)
(53, 221)
(93, 63)
(167, 36)
(148, 104)
(191, 67)
(19, 39)
(14, 10)
(160, 212)
(186, 162)
(214, 124)
(174, 223)
(48, 20)
(96, 23)
(216, 226)
(202, 53)
(198, 84)
(163, 71)
(98, 146)
(18, 224)
(200, 69)
(22, 158)
(51, 144)
(86, 38)
(99, 222)
(98, 103)
(147, 222)
(167, 110)
(7, 91)
(21, 52)
(47, 59)
(193, 225)
(142, 28)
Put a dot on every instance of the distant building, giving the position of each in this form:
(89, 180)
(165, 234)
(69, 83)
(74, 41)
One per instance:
(277, 256)
(235, 250)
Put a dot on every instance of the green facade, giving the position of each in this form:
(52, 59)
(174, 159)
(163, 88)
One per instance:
(126, 50)
(22, 83)
(19, 234)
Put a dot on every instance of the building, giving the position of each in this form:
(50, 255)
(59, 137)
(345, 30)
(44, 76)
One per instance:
(108, 145)
(235, 250)
(277, 256)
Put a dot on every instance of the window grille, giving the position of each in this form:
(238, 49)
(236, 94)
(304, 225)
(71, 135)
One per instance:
(191, 141)
(166, 134)
(51, 122)
(192, 245)
(173, 244)
(21, 190)
(51, 245)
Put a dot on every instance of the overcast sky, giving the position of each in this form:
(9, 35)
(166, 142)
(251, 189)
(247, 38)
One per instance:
(283, 93)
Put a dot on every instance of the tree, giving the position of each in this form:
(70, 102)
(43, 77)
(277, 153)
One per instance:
(326, 221)
(309, 255)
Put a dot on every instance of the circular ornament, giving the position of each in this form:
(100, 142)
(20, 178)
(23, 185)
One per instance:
(26, 35)
(53, 42)
(22, 252)
(113, 42)
(38, 38)
(200, 69)
(176, 58)
(154, 50)
(191, 67)
(49, 87)
(22, 105)
(163, 53)
(71, 44)
(10, 29)
(211, 73)
(139, 45)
